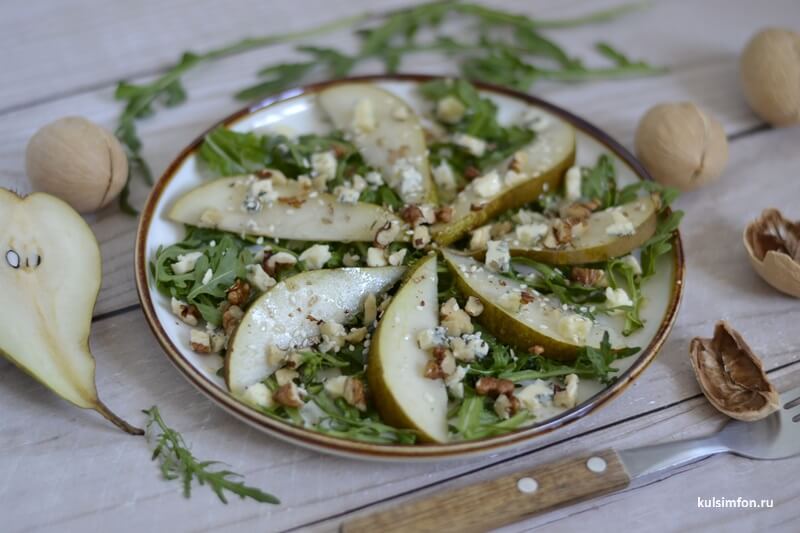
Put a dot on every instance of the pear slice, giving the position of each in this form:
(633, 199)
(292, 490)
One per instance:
(388, 135)
(395, 371)
(540, 167)
(541, 321)
(50, 273)
(284, 210)
(289, 314)
(595, 239)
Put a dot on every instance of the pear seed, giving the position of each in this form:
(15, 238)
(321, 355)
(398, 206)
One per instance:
(12, 258)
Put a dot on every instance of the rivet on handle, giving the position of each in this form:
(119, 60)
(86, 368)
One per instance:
(527, 485)
(596, 465)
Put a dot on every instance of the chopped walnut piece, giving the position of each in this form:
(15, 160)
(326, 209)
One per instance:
(293, 201)
(288, 395)
(386, 234)
(354, 393)
(200, 341)
(433, 370)
(473, 307)
(444, 214)
(526, 297)
(536, 349)
(411, 214)
(471, 172)
(506, 406)
(591, 277)
(579, 210)
(231, 318)
(562, 230)
(239, 293)
(490, 386)
(501, 228)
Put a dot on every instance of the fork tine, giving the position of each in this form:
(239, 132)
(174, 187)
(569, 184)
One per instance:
(791, 398)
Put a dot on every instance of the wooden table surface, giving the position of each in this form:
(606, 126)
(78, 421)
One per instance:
(63, 469)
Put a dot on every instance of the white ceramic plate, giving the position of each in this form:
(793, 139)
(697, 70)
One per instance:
(296, 112)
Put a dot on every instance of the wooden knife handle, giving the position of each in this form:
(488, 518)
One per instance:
(504, 500)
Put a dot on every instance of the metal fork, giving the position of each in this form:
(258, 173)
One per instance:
(500, 501)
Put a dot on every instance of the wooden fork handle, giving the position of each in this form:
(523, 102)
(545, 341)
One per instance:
(494, 503)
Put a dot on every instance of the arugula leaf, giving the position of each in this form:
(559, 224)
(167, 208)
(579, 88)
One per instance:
(178, 462)
(345, 421)
(659, 244)
(600, 182)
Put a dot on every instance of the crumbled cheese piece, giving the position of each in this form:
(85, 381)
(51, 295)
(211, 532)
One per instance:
(387, 233)
(376, 257)
(530, 234)
(357, 182)
(347, 195)
(487, 185)
(621, 225)
(323, 165)
(428, 339)
(421, 237)
(258, 278)
(200, 341)
(455, 382)
(281, 258)
(457, 323)
(364, 116)
(568, 397)
(512, 178)
(510, 301)
(525, 216)
(370, 309)
(572, 183)
(335, 386)
(617, 298)
(473, 145)
(210, 218)
(374, 178)
(469, 347)
(350, 260)
(502, 406)
(218, 341)
(316, 256)
(186, 262)
(396, 259)
(333, 336)
(574, 328)
(428, 213)
(473, 307)
(479, 237)
(632, 262)
(450, 110)
(400, 113)
(275, 356)
(285, 375)
(207, 276)
(181, 310)
(535, 395)
(449, 307)
(407, 175)
(444, 177)
(498, 258)
(258, 395)
(262, 192)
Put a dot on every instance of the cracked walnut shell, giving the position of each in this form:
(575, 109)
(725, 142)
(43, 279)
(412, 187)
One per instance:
(773, 244)
(731, 376)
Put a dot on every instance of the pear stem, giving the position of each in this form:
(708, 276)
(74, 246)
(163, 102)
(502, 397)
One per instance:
(101, 408)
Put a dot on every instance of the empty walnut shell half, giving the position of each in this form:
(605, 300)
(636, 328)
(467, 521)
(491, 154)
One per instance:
(731, 375)
(773, 244)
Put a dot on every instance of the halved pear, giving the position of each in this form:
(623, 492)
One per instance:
(289, 314)
(388, 135)
(541, 321)
(594, 243)
(540, 167)
(396, 368)
(50, 273)
(292, 213)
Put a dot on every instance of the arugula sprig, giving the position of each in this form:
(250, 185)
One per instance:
(488, 58)
(178, 462)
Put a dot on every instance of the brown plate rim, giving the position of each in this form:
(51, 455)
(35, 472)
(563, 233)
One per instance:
(364, 450)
